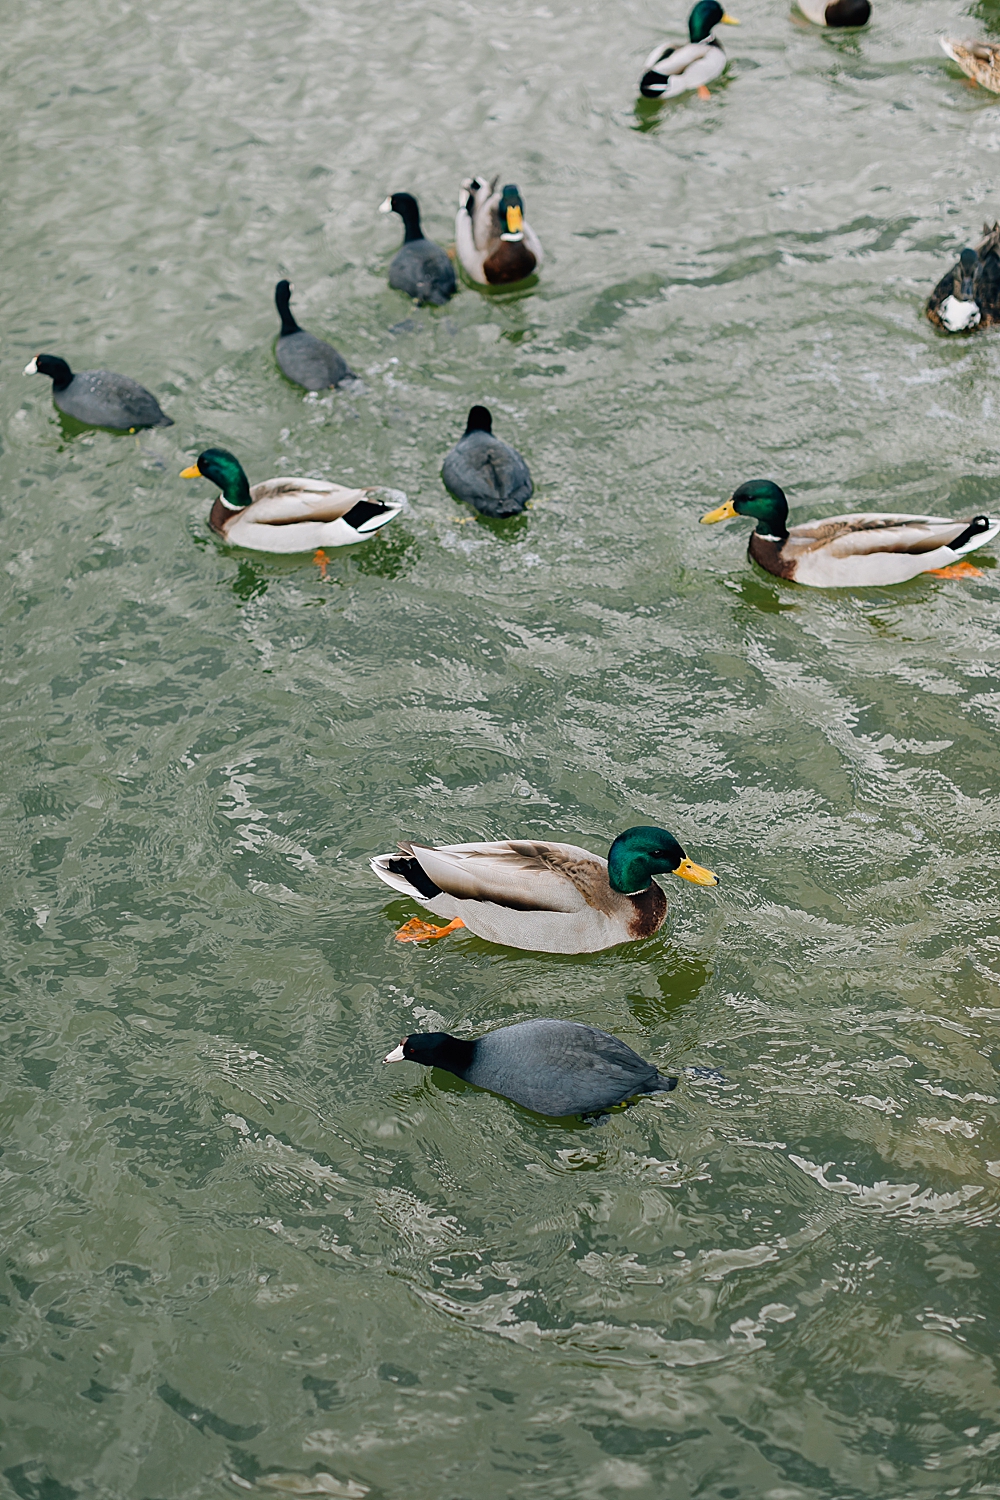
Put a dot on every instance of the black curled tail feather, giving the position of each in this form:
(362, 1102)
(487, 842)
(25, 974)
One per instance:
(363, 511)
(977, 525)
(664, 1084)
(413, 872)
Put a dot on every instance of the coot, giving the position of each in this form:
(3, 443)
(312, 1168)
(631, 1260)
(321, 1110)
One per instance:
(553, 1067)
(486, 472)
(420, 268)
(99, 397)
(309, 361)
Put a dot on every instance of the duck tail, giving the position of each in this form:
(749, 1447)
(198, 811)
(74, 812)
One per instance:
(664, 1084)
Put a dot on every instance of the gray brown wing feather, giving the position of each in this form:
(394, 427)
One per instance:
(527, 875)
(859, 535)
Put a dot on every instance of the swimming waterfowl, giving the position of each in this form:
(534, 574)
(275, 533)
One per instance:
(99, 397)
(836, 12)
(546, 897)
(968, 296)
(486, 472)
(495, 243)
(303, 357)
(855, 551)
(290, 515)
(420, 268)
(554, 1067)
(980, 60)
(671, 70)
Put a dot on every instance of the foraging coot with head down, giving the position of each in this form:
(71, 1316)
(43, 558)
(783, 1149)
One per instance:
(100, 398)
(309, 361)
(486, 472)
(420, 267)
(553, 1067)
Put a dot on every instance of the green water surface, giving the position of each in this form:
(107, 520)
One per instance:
(235, 1252)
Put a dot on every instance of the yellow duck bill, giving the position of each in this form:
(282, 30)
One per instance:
(728, 20)
(192, 473)
(720, 513)
(697, 874)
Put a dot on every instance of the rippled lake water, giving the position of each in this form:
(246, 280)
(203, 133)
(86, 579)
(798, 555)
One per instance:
(238, 1254)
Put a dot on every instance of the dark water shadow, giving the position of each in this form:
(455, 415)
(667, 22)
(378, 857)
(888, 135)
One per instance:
(762, 592)
(71, 428)
(448, 1083)
(687, 976)
(503, 528)
(988, 13)
(510, 291)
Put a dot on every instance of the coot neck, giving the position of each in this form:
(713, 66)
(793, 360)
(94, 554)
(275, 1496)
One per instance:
(282, 298)
(57, 370)
(410, 215)
(453, 1054)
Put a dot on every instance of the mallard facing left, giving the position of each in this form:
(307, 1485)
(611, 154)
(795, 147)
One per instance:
(495, 243)
(980, 60)
(968, 296)
(290, 515)
(671, 70)
(856, 551)
(546, 897)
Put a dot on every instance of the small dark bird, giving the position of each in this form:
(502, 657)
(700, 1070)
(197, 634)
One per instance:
(419, 268)
(99, 397)
(303, 357)
(486, 472)
(553, 1067)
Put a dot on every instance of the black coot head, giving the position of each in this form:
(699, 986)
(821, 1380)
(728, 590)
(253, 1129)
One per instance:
(51, 365)
(479, 420)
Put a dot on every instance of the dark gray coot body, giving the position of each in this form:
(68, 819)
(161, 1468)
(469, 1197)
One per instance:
(553, 1067)
(309, 361)
(424, 272)
(100, 398)
(486, 472)
(420, 267)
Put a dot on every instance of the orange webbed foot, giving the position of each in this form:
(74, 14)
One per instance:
(320, 559)
(703, 92)
(957, 570)
(417, 931)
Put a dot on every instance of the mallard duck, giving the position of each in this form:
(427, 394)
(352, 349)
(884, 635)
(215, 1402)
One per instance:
(549, 898)
(419, 268)
(554, 1067)
(496, 245)
(968, 296)
(671, 70)
(486, 472)
(836, 12)
(290, 515)
(980, 60)
(99, 397)
(858, 551)
(309, 361)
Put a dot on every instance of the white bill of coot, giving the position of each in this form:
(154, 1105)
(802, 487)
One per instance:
(420, 268)
(555, 1068)
(99, 398)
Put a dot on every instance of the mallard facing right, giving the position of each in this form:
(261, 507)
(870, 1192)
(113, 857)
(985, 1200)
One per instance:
(980, 60)
(968, 296)
(671, 70)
